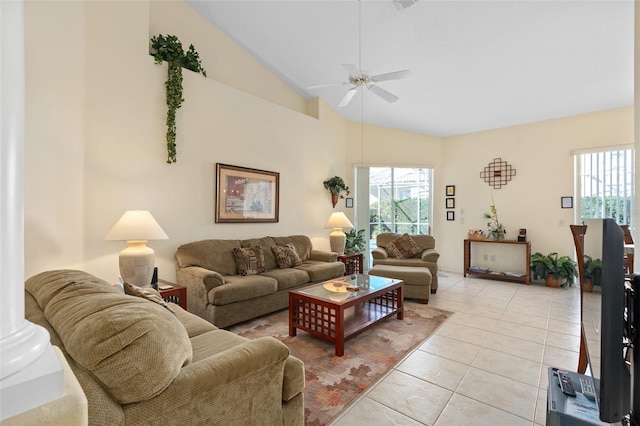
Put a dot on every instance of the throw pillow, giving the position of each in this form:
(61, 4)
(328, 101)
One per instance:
(286, 256)
(403, 247)
(250, 260)
(146, 293)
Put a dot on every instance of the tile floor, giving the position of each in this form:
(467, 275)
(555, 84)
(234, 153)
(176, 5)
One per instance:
(486, 365)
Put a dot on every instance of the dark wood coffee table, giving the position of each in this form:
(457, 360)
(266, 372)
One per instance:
(328, 314)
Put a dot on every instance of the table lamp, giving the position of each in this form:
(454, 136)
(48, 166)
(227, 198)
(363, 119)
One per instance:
(137, 260)
(337, 238)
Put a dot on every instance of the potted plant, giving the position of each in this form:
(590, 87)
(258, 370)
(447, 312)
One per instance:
(336, 187)
(355, 242)
(556, 270)
(592, 272)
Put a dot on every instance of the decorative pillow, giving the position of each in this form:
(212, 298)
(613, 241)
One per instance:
(250, 260)
(286, 256)
(403, 247)
(148, 294)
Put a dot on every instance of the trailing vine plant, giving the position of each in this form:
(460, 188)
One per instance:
(170, 49)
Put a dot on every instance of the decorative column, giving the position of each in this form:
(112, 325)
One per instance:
(30, 374)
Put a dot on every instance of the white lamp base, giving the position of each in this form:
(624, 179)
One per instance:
(136, 263)
(337, 240)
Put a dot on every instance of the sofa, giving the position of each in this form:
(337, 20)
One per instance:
(224, 290)
(425, 257)
(142, 361)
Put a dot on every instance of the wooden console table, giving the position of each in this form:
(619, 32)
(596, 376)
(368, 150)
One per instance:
(493, 274)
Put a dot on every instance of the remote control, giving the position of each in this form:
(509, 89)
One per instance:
(588, 390)
(565, 384)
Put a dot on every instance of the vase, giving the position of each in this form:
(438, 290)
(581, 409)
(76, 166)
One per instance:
(496, 235)
(587, 286)
(334, 199)
(551, 281)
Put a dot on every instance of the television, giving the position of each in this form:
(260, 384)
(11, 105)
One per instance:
(604, 240)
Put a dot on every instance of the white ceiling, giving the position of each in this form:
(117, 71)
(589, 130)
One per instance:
(476, 65)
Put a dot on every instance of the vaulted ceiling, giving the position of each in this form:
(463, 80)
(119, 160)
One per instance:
(476, 65)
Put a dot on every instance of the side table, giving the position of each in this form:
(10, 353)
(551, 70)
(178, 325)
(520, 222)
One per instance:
(175, 294)
(352, 263)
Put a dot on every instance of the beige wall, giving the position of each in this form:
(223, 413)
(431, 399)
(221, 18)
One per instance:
(95, 144)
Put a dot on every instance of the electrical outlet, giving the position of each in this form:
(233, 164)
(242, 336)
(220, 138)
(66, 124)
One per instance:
(462, 220)
(493, 257)
(485, 257)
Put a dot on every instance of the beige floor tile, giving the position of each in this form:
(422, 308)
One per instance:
(446, 304)
(453, 349)
(482, 310)
(432, 368)
(415, 398)
(452, 295)
(514, 346)
(528, 310)
(524, 332)
(466, 411)
(563, 327)
(370, 412)
(491, 302)
(563, 341)
(541, 407)
(500, 392)
(463, 333)
(525, 319)
(565, 315)
(561, 358)
(475, 321)
(513, 367)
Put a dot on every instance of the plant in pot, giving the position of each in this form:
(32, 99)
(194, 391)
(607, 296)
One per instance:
(355, 241)
(592, 272)
(336, 187)
(556, 270)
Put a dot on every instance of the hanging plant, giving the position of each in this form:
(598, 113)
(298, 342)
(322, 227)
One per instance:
(170, 49)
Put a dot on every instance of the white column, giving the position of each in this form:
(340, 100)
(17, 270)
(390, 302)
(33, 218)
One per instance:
(30, 374)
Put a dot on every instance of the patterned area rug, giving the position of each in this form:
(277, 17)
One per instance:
(332, 383)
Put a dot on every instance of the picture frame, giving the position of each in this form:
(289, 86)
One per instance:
(245, 195)
(451, 215)
(450, 190)
(348, 203)
(566, 202)
(451, 203)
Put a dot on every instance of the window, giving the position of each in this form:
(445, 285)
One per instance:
(606, 185)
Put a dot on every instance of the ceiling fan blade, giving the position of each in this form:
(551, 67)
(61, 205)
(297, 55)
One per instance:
(318, 86)
(351, 69)
(348, 96)
(396, 75)
(387, 96)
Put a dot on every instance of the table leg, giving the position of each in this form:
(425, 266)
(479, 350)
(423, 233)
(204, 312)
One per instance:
(340, 332)
(400, 303)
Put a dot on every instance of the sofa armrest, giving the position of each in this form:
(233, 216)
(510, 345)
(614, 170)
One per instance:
(430, 255)
(199, 282)
(293, 378)
(323, 256)
(379, 253)
(235, 386)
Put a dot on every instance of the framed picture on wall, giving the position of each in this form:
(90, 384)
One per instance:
(246, 195)
(450, 215)
(566, 202)
(451, 203)
(348, 203)
(450, 190)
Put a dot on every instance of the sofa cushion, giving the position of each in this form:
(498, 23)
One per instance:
(132, 347)
(403, 247)
(194, 325)
(239, 288)
(289, 277)
(322, 271)
(146, 294)
(214, 342)
(249, 261)
(266, 243)
(286, 256)
(302, 243)
(214, 255)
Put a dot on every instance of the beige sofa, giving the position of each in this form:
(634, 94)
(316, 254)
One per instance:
(217, 293)
(140, 364)
(426, 258)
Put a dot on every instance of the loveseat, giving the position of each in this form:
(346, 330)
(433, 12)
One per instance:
(217, 292)
(426, 256)
(146, 363)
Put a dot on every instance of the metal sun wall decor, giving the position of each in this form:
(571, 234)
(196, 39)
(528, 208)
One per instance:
(498, 173)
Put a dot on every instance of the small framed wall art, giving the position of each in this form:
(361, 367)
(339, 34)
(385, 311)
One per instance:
(451, 215)
(348, 203)
(451, 203)
(566, 202)
(450, 190)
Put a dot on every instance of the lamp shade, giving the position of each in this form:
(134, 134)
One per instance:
(338, 220)
(137, 260)
(136, 225)
(337, 239)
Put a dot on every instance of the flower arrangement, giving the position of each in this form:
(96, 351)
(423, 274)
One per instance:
(496, 230)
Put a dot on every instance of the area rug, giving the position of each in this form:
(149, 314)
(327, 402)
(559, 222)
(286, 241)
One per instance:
(332, 382)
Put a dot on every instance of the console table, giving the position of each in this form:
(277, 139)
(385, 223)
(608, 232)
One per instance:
(496, 274)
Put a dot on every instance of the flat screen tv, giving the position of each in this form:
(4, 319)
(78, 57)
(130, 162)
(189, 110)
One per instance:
(604, 240)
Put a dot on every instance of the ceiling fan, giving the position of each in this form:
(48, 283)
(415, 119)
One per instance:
(359, 79)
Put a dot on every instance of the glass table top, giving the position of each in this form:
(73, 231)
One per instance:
(347, 288)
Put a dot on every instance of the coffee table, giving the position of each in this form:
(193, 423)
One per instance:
(340, 314)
